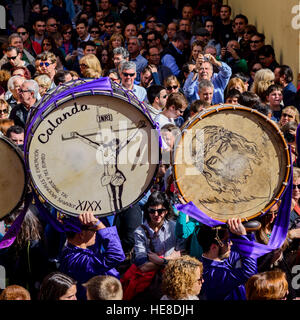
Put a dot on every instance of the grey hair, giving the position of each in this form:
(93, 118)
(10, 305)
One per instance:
(126, 65)
(209, 46)
(121, 50)
(137, 39)
(205, 84)
(12, 36)
(33, 86)
(10, 83)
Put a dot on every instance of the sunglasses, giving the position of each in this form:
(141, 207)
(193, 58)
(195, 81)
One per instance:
(3, 111)
(255, 70)
(118, 27)
(12, 58)
(109, 26)
(296, 186)
(22, 33)
(255, 41)
(172, 87)
(82, 65)
(287, 115)
(165, 96)
(125, 74)
(68, 32)
(150, 40)
(46, 64)
(53, 25)
(94, 31)
(159, 211)
(152, 21)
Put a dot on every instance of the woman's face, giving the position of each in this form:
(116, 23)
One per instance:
(196, 51)
(172, 87)
(104, 56)
(255, 68)
(296, 189)
(116, 43)
(46, 46)
(287, 116)
(272, 213)
(157, 214)
(67, 35)
(209, 26)
(70, 294)
(198, 283)
(118, 28)
(247, 35)
(3, 111)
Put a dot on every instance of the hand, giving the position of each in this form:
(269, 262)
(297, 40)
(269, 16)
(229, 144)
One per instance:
(199, 61)
(294, 233)
(233, 53)
(88, 219)
(153, 257)
(174, 255)
(212, 60)
(236, 227)
(153, 68)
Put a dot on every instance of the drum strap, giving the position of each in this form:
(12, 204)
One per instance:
(148, 236)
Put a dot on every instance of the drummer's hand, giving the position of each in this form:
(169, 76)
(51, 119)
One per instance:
(88, 219)
(235, 226)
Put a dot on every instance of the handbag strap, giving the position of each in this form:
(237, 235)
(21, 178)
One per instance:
(148, 236)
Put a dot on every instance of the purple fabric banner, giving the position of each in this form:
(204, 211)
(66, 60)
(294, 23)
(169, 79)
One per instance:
(252, 248)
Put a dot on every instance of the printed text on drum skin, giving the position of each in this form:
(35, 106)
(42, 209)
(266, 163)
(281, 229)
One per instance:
(44, 137)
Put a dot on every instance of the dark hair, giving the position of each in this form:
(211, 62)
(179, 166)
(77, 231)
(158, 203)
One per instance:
(241, 16)
(287, 72)
(182, 35)
(197, 104)
(262, 108)
(153, 91)
(232, 93)
(208, 235)
(241, 76)
(248, 99)
(88, 43)
(14, 129)
(260, 35)
(273, 87)
(60, 77)
(158, 198)
(55, 285)
(85, 22)
(291, 125)
(225, 6)
(267, 51)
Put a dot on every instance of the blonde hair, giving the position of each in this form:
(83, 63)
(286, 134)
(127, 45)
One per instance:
(262, 80)
(43, 81)
(269, 285)
(296, 173)
(113, 38)
(293, 109)
(179, 277)
(169, 79)
(236, 81)
(5, 124)
(93, 69)
(104, 288)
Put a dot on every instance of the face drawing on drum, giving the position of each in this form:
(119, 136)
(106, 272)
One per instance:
(228, 159)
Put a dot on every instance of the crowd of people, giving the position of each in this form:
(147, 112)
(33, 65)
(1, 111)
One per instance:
(178, 60)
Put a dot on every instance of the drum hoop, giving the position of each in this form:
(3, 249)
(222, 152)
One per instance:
(216, 109)
(66, 99)
(25, 187)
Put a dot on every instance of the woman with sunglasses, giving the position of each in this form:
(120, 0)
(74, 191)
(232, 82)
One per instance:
(182, 279)
(172, 84)
(49, 45)
(4, 109)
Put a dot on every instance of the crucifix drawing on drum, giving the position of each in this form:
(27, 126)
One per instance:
(227, 162)
(96, 152)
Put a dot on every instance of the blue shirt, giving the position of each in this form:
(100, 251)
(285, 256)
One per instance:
(140, 92)
(219, 80)
(170, 62)
(141, 63)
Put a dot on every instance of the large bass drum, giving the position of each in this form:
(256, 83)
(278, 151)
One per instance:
(13, 179)
(231, 161)
(91, 146)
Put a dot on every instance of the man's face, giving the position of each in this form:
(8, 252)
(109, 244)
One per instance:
(233, 45)
(240, 25)
(205, 71)
(13, 57)
(187, 13)
(162, 98)
(51, 26)
(117, 59)
(81, 30)
(99, 16)
(224, 13)
(265, 61)
(18, 43)
(109, 27)
(39, 27)
(23, 33)
(171, 30)
(89, 50)
(17, 138)
(130, 31)
(232, 100)
(185, 25)
(224, 251)
(104, 5)
(48, 67)
(277, 75)
(133, 46)
(151, 41)
(26, 95)
(127, 78)
(203, 38)
(256, 43)
(17, 86)
(206, 94)
(154, 56)
(146, 77)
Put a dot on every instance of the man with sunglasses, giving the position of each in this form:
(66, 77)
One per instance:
(13, 55)
(51, 26)
(225, 270)
(127, 75)
(34, 48)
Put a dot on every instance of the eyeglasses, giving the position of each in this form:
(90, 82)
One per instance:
(3, 111)
(181, 111)
(159, 211)
(255, 41)
(151, 21)
(150, 40)
(118, 27)
(296, 186)
(172, 87)
(22, 91)
(68, 32)
(109, 26)
(287, 115)
(22, 33)
(12, 58)
(53, 25)
(94, 31)
(46, 44)
(165, 96)
(125, 74)
(46, 64)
